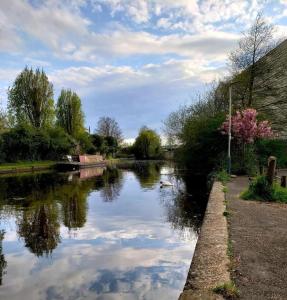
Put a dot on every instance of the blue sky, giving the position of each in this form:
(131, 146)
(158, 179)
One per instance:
(134, 60)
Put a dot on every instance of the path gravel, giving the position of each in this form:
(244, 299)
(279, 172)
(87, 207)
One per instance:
(258, 232)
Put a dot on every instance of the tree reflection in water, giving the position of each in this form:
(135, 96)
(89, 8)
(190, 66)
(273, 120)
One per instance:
(39, 227)
(112, 183)
(185, 202)
(73, 199)
(3, 263)
(146, 172)
(40, 202)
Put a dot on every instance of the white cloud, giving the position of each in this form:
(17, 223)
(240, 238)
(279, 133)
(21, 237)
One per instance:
(188, 72)
(187, 15)
(50, 23)
(67, 33)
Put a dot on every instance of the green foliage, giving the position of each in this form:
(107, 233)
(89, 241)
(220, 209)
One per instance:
(111, 145)
(222, 176)
(85, 142)
(260, 189)
(147, 145)
(228, 290)
(226, 213)
(3, 121)
(203, 144)
(28, 143)
(98, 142)
(225, 189)
(276, 147)
(244, 159)
(30, 100)
(126, 151)
(69, 113)
(105, 145)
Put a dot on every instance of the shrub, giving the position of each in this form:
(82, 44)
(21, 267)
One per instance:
(28, 143)
(278, 148)
(228, 290)
(222, 176)
(260, 189)
(204, 147)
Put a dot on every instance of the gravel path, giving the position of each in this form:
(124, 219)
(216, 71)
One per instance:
(258, 233)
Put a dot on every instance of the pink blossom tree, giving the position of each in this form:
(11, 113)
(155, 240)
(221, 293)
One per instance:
(245, 127)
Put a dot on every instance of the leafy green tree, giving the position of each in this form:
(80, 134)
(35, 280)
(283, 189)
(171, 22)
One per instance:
(98, 142)
(3, 121)
(31, 99)
(111, 145)
(69, 113)
(148, 144)
(28, 143)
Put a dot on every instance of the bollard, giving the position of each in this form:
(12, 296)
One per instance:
(271, 169)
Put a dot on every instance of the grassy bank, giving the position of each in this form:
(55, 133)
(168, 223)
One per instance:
(25, 166)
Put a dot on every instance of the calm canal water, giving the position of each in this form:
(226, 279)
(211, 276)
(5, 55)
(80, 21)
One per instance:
(110, 233)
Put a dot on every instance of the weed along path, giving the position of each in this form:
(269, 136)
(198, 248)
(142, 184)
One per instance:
(257, 231)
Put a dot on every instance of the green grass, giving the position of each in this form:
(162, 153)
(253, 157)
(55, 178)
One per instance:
(222, 176)
(226, 213)
(228, 290)
(225, 189)
(259, 189)
(26, 164)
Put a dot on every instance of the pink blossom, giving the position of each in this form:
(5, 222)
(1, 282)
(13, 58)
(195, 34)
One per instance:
(246, 128)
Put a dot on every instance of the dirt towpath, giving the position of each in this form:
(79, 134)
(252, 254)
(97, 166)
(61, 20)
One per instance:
(258, 233)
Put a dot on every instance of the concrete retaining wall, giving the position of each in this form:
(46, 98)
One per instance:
(209, 267)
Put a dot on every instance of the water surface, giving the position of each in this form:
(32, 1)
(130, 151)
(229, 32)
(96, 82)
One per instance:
(109, 233)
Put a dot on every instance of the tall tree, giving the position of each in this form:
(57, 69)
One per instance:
(148, 144)
(109, 127)
(3, 121)
(255, 43)
(69, 113)
(31, 99)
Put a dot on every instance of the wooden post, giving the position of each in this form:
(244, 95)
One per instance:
(271, 169)
(283, 181)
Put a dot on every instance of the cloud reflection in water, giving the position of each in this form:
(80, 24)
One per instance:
(126, 245)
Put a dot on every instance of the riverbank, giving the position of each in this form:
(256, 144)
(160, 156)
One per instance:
(209, 267)
(257, 232)
(22, 167)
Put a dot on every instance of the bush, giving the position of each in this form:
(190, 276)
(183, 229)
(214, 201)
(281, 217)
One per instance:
(260, 189)
(86, 144)
(222, 176)
(28, 143)
(204, 147)
(266, 148)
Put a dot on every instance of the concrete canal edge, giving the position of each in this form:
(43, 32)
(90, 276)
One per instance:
(209, 267)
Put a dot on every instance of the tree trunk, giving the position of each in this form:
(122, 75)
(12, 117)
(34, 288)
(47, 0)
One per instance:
(251, 84)
(271, 169)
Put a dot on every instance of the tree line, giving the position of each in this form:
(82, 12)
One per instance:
(36, 128)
